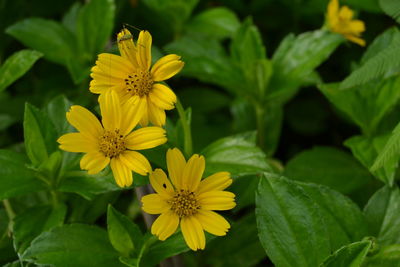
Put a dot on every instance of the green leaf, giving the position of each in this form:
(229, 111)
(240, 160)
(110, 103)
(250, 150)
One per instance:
(290, 224)
(39, 133)
(383, 215)
(70, 18)
(219, 22)
(352, 255)
(124, 235)
(391, 8)
(237, 154)
(15, 178)
(33, 221)
(46, 36)
(75, 245)
(328, 166)
(388, 256)
(17, 65)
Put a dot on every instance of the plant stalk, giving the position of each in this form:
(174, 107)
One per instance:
(188, 146)
(260, 114)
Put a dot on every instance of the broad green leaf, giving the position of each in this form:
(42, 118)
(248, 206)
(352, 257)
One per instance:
(218, 22)
(124, 235)
(236, 154)
(290, 224)
(352, 255)
(46, 36)
(367, 149)
(70, 18)
(328, 166)
(383, 215)
(392, 8)
(387, 256)
(17, 65)
(39, 133)
(75, 245)
(15, 178)
(33, 221)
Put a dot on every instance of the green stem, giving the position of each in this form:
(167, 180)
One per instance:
(260, 113)
(9, 210)
(188, 146)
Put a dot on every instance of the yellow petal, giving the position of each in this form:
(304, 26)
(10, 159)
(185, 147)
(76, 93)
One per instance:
(216, 182)
(217, 200)
(164, 60)
(102, 77)
(356, 40)
(167, 70)
(110, 110)
(212, 222)
(85, 122)
(162, 96)
(76, 142)
(193, 233)
(159, 181)
(136, 162)
(144, 121)
(133, 110)
(154, 204)
(356, 26)
(144, 138)
(94, 162)
(122, 174)
(165, 225)
(114, 66)
(193, 172)
(126, 46)
(144, 50)
(345, 13)
(156, 115)
(176, 163)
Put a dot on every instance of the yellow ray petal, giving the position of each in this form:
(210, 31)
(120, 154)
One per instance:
(193, 233)
(85, 122)
(122, 174)
(160, 183)
(176, 163)
(126, 46)
(144, 50)
(110, 110)
(165, 225)
(212, 222)
(144, 138)
(216, 182)
(356, 40)
(76, 142)
(133, 110)
(162, 96)
(346, 13)
(115, 66)
(156, 115)
(94, 162)
(167, 70)
(217, 200)
(154, 204)
(193, 172)
(103, 77)
(136, 162)
(164, 60)
(144, 121)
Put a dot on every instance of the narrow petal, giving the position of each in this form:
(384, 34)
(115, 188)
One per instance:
(126, 46)
(133, 110)
(114, 66)
(122, 174)
(167, 70)
(164, 60)
(176, 163)
(145, 138)
(110, 110)
(193, 172)
(159, 181)
(94, 162)
(103, 77)
(165, 225)
(356, 40)
(144, 121)
(144, 50)
(77, 142)
(346, 13)
(212, 222)
(156, 115)
(154, 204)
(84, 121)
(216, 182)
(217, 200)
(136, 162)
(162, 96)
(193, 233)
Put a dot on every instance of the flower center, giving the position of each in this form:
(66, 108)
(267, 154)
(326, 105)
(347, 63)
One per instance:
(112, 143)
(184, 203)
(139, 83)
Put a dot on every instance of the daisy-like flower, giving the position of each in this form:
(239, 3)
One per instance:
(111, 141)
(341, 21)
(187, 200)
(131, 76)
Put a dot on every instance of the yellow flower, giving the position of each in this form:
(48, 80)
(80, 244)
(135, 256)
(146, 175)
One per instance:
(341, 21)
(132, 76)
(111, 141)
(187, 200)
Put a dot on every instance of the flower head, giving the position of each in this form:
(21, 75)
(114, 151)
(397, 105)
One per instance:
(111, 141)
(131, 76)
(187, 200)
(341, 21)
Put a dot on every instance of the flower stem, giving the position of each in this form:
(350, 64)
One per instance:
(260, 113)
(11, 215)
(188, 146)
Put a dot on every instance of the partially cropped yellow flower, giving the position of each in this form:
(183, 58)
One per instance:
(111, 141)
(187, 200)
(132, 76)
(341, 21)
